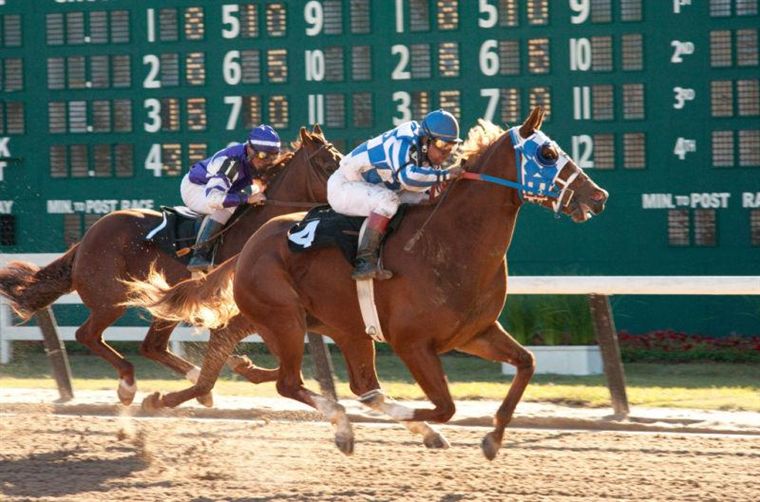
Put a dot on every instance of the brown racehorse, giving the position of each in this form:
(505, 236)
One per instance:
(114, 249)
(448, 290)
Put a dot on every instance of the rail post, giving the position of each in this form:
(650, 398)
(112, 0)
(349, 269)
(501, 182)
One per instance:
(322, 364)
(56, 352)
(606, 335)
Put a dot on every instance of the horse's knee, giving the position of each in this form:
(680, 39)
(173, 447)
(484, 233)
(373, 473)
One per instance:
(203, 387)
(525, 361)
(83, 336)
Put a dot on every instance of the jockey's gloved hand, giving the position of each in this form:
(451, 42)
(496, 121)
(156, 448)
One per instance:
(454, 172)
(256, 199)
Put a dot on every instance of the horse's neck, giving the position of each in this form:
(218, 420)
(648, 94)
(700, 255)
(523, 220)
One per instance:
(477, 219)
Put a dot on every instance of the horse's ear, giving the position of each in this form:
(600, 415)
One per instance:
(318, 130)
(305, 137)
(533, 122)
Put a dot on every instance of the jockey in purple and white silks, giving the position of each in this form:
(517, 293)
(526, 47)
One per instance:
(216, 186)
(399, 166)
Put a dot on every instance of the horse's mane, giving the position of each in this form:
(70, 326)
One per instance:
(480, 137)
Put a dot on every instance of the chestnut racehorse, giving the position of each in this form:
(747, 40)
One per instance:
(114, 249)
(448, 290)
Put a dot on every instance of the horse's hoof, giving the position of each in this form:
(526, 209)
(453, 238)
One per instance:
(345, 443)
(436, 441)
(490, 445)
(152, 403)
(126, 392)
(206, 400)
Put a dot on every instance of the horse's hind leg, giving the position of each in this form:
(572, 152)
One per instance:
(221, 344)
(360, 361)
(495, 344)
(287, 342)
(156, 347)
(90, 334)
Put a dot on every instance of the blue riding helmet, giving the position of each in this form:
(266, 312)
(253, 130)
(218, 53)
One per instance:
(441, 124)
(264, 139)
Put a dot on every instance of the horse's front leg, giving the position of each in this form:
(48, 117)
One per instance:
(426, 368)
(495, 344)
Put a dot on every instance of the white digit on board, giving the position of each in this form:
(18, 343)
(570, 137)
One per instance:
(229, 17)
(315, 65)
(316, 108)
(154, 115)
(583, 148)
(680, 49)
(399, 16)
(493, 101)
(231, 69)
(313, 15)
(404, 100)
(491, 13)
(153, 160)
(150, 81)
(236, 103)
(489, 58)
(580, 54)
(582, 9)
(400, 72)
(151, 25)
(683, 94)
(582, 102)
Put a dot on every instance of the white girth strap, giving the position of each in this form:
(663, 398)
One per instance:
(365, 290)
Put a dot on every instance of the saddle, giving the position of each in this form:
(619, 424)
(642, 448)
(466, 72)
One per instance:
(323, 227)
(178, 230)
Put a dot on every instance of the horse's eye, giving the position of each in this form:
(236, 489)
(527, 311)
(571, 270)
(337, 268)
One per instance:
(548, 154)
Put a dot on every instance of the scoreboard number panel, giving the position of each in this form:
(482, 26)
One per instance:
(663, 97)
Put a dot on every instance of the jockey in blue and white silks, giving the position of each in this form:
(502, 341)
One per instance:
(216, 186)
(398, 166)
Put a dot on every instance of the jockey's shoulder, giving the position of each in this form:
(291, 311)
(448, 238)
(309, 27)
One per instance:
(408, 130)
(234, 150)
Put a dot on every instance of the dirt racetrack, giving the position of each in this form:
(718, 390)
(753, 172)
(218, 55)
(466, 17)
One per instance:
(45, 456)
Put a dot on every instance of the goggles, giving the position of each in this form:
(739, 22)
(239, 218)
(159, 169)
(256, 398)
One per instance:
(443, 145)
(261, 155)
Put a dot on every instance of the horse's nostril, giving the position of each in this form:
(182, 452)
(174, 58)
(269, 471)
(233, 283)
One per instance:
(598, 196)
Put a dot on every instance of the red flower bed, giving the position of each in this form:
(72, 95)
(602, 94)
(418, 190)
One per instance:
(670, 345)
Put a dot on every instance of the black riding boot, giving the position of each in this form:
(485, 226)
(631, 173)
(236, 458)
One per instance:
(367, 256)
(201, 259)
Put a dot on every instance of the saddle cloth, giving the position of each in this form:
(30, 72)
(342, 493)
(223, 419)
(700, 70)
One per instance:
(323, 227)
(176, 233)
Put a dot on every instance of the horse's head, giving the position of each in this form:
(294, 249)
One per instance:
(549, 177)
(313, 161)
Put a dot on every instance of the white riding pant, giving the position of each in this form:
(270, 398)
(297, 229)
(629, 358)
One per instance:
(194, 197)
(359, 198)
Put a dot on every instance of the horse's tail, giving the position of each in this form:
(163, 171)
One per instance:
(206, 302)
(30, 288)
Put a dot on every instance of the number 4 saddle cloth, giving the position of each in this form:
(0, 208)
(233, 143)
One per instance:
(323, 227)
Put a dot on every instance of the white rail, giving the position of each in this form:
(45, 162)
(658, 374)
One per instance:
(523, 285)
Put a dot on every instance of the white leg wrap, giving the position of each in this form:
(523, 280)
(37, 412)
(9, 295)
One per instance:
(127, 388)
(193, 375)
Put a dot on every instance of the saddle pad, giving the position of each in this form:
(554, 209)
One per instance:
(323, 227)
(176, 231)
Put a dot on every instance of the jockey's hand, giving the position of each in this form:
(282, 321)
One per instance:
(257, 199)
(259, 186)
(455, 172)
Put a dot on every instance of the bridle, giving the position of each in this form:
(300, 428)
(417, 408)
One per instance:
(537, 183)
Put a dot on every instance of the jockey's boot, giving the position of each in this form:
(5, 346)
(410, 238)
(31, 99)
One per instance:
(201, 259)
(366, 265)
